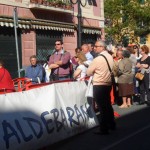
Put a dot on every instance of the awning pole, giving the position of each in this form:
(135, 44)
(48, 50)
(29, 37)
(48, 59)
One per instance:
(15, 17)
(79, 16)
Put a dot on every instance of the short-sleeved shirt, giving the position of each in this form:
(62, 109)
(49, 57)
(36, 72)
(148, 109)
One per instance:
(146, 61)
(83, 72)
(64, 69)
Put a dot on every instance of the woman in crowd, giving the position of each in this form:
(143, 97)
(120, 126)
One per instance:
(6, 83)
(77, 50)
(125, 79)
(117, 59)
(114, 93)
(134, 58)
(73, 62)
(143, 67)
(80, 72)
(47, 70)
(137, 51)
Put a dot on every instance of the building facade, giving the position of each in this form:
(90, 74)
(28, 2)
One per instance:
(40, 23)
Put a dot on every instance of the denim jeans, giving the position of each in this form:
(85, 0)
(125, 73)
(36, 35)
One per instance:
(64, 78)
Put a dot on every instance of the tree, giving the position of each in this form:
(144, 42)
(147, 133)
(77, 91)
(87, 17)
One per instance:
(126, 19)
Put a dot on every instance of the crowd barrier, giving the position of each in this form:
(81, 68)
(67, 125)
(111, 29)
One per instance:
(4, 91)
(42, 116)
(23, 84)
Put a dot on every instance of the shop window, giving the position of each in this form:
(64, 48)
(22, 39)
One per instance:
(45, 41)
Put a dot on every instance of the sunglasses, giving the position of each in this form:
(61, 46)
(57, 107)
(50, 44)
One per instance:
(97, 46)
(57, 44)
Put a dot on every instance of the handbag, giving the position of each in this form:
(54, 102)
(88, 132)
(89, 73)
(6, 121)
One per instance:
(54, 77)
(89, 90)
(139, 76)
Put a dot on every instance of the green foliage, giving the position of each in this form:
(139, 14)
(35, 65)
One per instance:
(50, 0)
(127, 18)
(58, 2)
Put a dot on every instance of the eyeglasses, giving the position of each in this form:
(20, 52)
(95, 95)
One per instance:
(97, 46)
(57, 44)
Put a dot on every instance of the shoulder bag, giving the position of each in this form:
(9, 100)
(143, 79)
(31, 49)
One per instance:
(139, 76)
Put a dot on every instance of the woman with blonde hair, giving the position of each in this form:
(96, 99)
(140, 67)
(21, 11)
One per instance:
(80, 72)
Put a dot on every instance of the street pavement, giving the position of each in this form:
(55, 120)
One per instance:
(133, 133)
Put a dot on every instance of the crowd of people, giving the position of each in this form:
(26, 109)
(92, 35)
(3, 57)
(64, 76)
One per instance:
(60, 65)
(97, 61)
(126, 63)
(131, 61)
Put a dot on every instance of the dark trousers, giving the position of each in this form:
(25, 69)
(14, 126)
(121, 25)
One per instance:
(103, 100)
(144, 88)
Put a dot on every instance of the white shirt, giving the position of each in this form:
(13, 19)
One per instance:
(83, 72)
(47, 72)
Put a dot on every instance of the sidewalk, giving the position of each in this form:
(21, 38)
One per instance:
(124, 111)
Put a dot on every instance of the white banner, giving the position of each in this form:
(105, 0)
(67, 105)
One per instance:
(36, 118)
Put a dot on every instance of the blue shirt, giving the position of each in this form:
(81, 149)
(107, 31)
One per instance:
(88, 56)
(35, 72)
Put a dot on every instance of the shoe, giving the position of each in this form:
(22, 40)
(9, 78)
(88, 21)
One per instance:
(123, 106)
(141, 103)
(129, 105)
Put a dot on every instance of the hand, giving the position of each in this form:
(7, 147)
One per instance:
(28, 80)
(144, 66)
(58, 62)
(141, 66)
(138, 65)
(53, 66)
